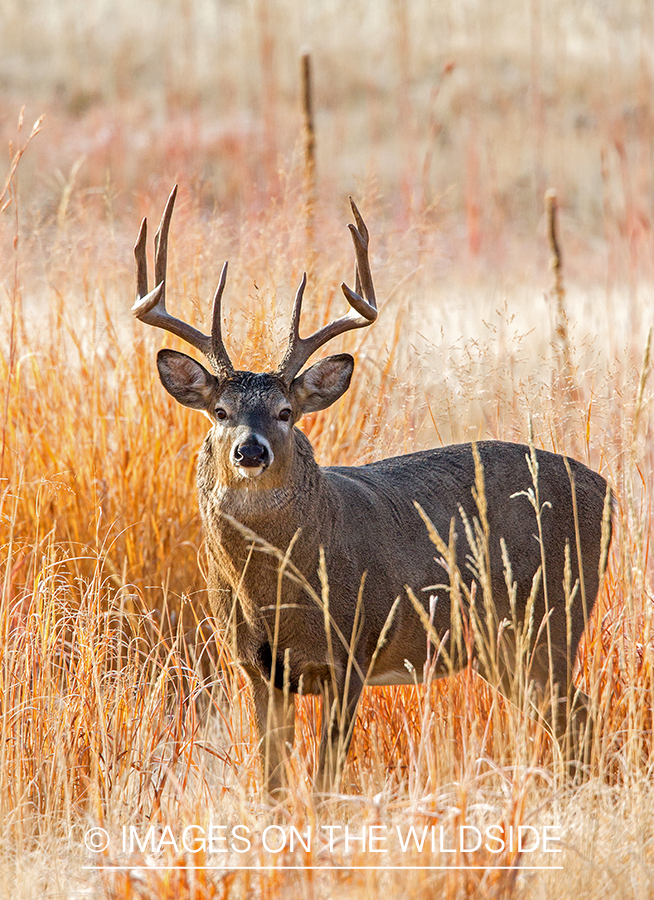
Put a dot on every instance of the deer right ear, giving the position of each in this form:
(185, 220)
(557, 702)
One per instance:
(185, 379)
(323, 383)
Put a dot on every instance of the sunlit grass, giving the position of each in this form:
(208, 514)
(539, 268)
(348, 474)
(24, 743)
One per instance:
(119, 708)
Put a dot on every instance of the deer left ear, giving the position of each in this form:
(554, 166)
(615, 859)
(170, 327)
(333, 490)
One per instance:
(323, 383)
(185, 379)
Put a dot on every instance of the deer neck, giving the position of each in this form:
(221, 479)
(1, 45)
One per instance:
(232, 518)
(274, 513)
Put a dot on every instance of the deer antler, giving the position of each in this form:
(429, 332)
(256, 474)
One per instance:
(363, 312)
(151, 307)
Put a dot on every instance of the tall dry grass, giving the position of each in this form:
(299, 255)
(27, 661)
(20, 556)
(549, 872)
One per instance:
(117, 706)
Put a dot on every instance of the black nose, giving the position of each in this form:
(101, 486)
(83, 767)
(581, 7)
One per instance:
(251, 454)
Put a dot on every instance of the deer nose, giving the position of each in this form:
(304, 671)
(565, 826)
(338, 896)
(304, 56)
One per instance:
(251, 454)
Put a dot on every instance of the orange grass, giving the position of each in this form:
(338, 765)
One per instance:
(117, 705)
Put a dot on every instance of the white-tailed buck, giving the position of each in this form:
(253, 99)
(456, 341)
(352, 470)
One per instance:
(509, 542)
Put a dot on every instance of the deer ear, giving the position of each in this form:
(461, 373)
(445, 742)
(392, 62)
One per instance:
(185, 379)
(323, 383)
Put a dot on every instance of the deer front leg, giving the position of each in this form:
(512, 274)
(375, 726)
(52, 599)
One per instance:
(275, 714)
(336, 733)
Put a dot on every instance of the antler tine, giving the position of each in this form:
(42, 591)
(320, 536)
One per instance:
(363, 278)
(297, 311)
(161, 242)
(141, 260)
(150, 307)
(363, 231)
(219, 354)
(363, 312)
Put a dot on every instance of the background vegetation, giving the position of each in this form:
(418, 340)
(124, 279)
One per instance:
(447, 122)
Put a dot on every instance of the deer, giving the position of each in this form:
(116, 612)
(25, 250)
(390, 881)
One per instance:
(328, 579)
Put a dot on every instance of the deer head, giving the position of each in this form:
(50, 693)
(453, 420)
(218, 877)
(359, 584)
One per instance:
(252, 413)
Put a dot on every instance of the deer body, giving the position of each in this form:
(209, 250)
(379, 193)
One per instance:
(260, 489)
(344, 510)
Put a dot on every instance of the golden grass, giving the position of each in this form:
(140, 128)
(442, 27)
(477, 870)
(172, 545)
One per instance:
(117, 708)
(118, 711)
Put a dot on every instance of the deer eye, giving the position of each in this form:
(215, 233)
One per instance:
(285, 414)
(220, 413)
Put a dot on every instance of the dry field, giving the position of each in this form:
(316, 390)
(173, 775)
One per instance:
(447, 122)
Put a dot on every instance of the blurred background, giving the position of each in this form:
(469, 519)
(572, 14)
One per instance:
(461, 110)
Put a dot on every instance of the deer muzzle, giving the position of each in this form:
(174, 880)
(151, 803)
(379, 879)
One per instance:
(251, 455)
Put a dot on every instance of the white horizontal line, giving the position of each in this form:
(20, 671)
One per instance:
(315, 868)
